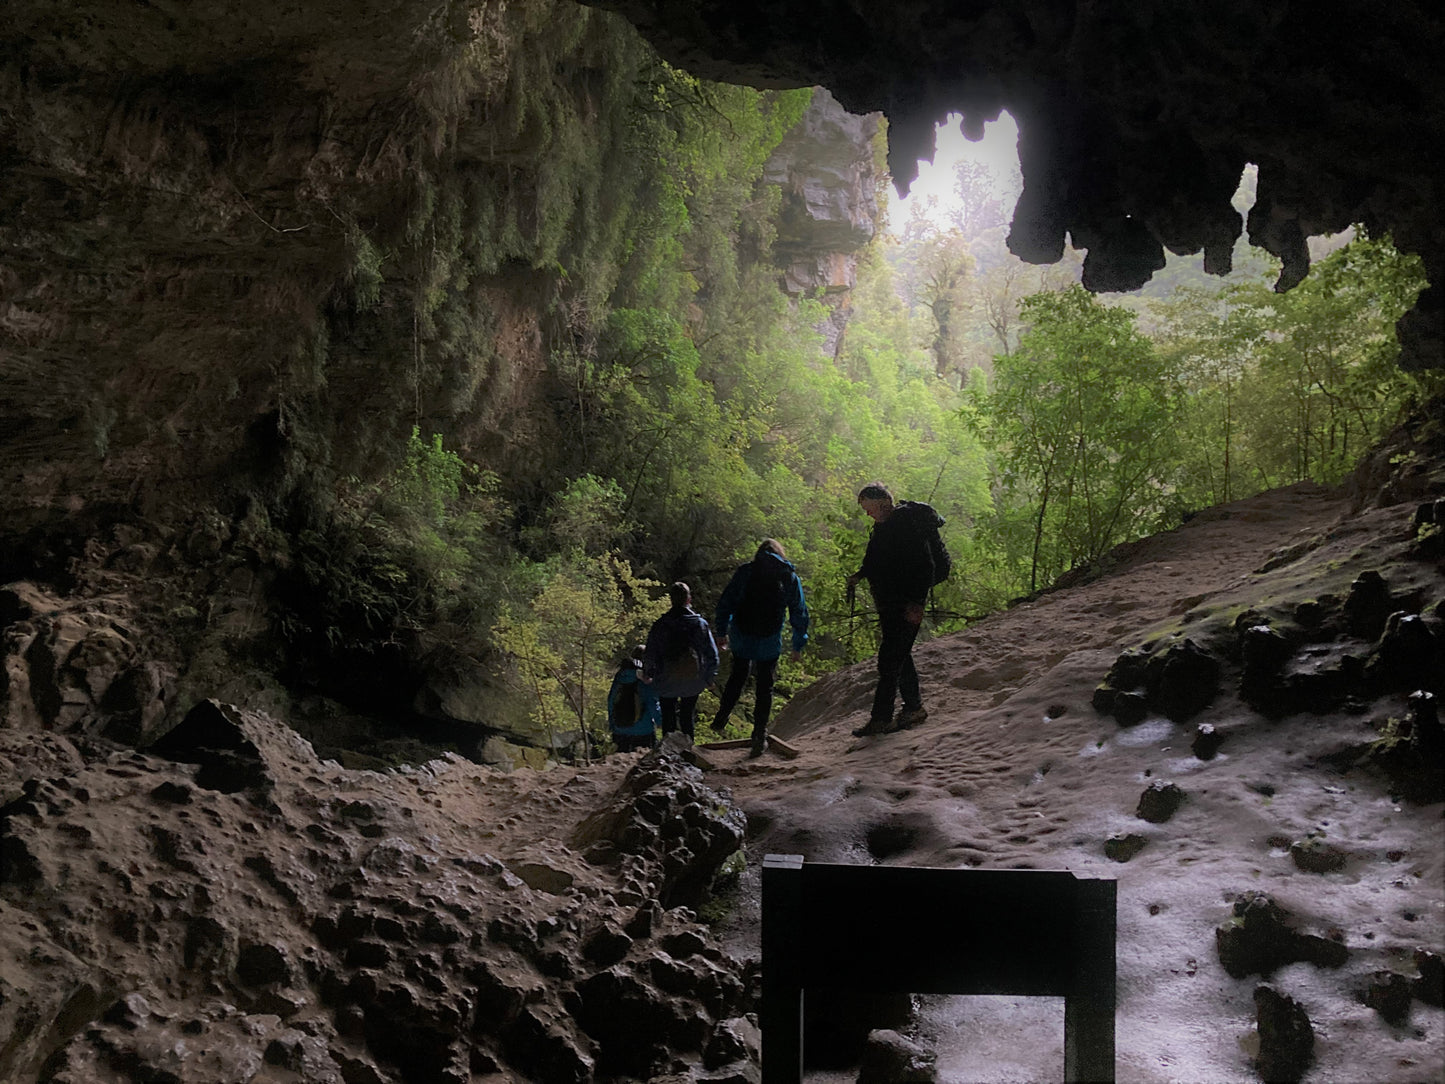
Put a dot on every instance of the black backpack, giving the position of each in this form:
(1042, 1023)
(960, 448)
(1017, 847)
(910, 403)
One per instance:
(764, 601)
(942, 561)
(927, 520)
(680, 661)
(626, 706)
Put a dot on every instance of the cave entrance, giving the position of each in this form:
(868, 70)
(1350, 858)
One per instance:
(897, 929)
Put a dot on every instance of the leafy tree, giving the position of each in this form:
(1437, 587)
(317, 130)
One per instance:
(1286, 387)
(1081, 420)
(565, 642)
(946, 271)
(979, 204)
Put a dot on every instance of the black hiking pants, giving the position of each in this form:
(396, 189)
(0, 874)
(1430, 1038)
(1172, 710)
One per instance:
(679, 713)
(766, 671)
(896, 674)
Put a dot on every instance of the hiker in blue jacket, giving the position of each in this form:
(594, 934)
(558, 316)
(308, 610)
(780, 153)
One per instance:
(633, 710)
(679, 661)
(750, 621)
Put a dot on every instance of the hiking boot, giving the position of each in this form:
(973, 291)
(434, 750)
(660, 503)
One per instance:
(873, 727)
(911, 717)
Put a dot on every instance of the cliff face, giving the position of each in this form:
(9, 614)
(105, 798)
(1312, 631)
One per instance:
(830, 180)
(830, 206)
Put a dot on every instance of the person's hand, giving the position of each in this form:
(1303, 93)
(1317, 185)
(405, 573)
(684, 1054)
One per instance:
(722, 643)
(913, 613)
(853, 580)
(796, 656)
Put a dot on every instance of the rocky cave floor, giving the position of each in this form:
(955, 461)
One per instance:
(225, 906)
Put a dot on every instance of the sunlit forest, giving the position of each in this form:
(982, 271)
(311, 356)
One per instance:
(698, 410)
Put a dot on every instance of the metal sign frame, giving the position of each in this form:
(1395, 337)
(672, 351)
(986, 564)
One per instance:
(907, 929)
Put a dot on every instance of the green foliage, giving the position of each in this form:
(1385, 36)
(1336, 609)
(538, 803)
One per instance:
(1081, 420)
(1100, 433)
(409, 552)
(565, 641)
(1281, 388)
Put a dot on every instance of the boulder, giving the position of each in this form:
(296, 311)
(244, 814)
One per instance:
(664, 811)
(1183, 680)
(1408, 656)
(1314, 855)
(1159, 802)
(890, 1058)
(1130, 708)
(1367, 606)
(1286, 1039)
(1121, 848)
(1389, 994)
(1430, 986)
(1206, 743)
(1258, 939)
(222, 740)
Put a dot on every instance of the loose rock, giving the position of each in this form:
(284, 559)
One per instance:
(890, 1058)
(1286, 1039)
(1121, 848)
(1389, 994)
(1314, 855)
(1257, 940)
(1159, 802)
(1207, 741)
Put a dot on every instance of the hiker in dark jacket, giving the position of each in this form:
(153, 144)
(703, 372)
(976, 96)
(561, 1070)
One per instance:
(898, 566)
(750, 620)
(633, 710)
(679, 661)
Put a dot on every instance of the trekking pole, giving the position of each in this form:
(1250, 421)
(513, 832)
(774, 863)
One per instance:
(852, 595)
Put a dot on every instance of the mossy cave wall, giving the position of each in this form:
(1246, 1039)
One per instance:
(240, 259)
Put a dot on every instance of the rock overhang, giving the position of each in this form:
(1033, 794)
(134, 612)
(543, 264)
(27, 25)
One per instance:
(1135, 121)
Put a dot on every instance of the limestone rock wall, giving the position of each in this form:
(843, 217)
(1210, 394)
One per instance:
(225, 907)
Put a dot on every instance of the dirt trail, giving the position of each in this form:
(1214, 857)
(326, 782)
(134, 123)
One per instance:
(1014, 769)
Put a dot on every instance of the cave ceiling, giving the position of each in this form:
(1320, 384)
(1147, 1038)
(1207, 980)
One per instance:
(1135, 118)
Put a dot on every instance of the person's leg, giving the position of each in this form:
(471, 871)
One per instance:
(737, 678)
(669, 714)
(767, 671)
(895, 664)
(687, 714)
(908, 690)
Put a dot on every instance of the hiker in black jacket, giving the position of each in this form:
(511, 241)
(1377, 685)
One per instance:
(899, 568)
(679, 661)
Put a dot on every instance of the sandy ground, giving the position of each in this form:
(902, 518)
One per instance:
(1014, 769)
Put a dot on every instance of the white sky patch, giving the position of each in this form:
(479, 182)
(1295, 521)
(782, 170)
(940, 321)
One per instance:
(998, 150)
